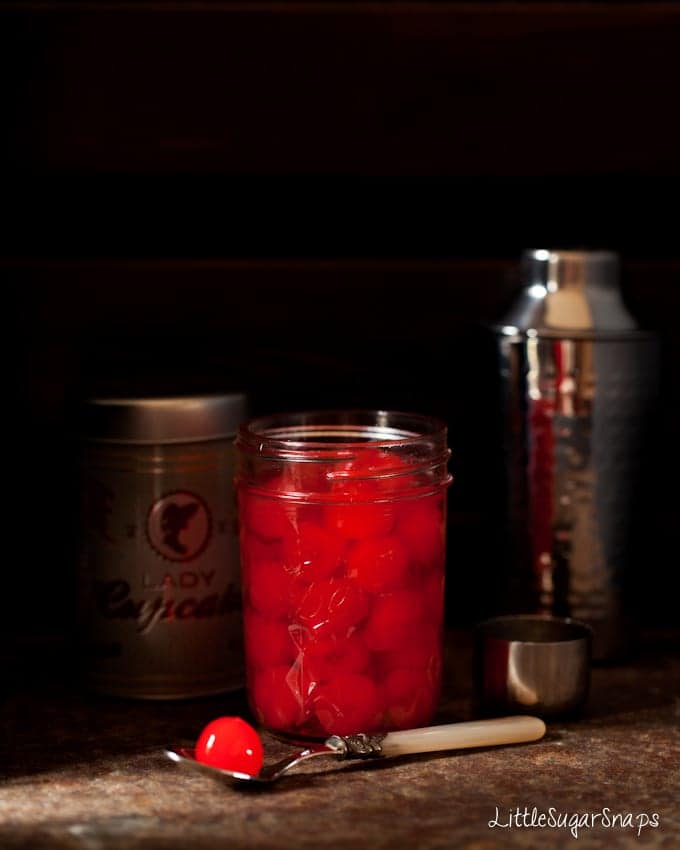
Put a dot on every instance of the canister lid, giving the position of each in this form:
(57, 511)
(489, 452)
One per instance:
(568, 292)
(178, 419)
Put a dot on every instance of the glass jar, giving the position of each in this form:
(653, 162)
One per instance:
(342, 530)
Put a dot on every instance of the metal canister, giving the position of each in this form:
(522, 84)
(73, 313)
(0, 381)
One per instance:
(578, 377)
(159, 579)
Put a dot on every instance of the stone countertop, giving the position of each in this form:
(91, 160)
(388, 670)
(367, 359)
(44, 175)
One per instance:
(81, 771)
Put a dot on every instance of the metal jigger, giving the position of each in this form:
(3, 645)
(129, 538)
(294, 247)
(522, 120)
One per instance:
(578, 377)
(532, 665)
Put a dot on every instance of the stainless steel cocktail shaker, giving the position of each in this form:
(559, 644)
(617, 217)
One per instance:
(578, 377)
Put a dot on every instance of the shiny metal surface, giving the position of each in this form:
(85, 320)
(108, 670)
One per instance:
(359, 746)
(185, 757)
(179, 419)
(569, 291)
(578, 379)
(532, 664)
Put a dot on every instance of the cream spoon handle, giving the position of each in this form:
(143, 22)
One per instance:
(458, 736)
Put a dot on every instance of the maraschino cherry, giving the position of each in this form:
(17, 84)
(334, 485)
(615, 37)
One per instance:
(230, 744)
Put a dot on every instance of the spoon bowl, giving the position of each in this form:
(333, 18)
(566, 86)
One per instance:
(185, 757)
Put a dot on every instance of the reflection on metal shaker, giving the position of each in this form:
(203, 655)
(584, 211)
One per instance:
(578, 378)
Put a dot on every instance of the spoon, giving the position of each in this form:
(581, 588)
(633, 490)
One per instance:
(453, 736)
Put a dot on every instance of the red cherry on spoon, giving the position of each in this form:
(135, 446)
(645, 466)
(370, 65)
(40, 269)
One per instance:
(230, 744)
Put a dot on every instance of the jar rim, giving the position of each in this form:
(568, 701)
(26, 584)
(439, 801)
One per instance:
(346, 429)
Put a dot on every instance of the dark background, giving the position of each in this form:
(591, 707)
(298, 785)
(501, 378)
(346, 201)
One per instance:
(321, 204)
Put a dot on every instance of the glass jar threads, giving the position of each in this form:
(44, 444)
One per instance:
(342, 526)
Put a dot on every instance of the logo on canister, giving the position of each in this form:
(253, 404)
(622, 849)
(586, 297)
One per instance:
(179, 526)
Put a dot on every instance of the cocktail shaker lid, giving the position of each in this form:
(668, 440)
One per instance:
(175, 419)
(569, 293)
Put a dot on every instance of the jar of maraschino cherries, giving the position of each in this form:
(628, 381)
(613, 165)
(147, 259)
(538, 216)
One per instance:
(342, 524)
